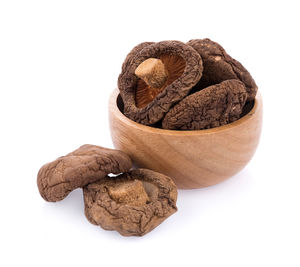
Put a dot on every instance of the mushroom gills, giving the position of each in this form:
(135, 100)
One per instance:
(155, 75)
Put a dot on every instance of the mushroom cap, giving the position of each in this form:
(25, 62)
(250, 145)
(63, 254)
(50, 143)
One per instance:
(211, 107)
(171, 94)
(86, 164)
(134, 51)
(218, 66)
(133, 203)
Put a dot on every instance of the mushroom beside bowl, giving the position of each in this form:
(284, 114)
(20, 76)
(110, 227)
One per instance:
(193, 159)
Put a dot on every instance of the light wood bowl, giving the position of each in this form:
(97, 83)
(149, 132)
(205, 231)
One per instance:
(193, 159)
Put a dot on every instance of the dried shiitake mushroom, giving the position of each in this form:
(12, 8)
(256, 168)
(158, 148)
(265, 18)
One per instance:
(128, 60)
(218, 66)
(211, 107)
(157, 77)
(133, 203)
(86, 164)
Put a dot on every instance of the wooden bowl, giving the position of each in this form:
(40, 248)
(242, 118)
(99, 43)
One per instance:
(193, 159)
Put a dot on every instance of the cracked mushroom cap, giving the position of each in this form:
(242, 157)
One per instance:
(147, 100)
(133, 203)
(211, 107)
(218, 66)
(85, 165)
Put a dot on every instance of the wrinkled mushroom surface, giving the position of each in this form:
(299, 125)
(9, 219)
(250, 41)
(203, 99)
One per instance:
(146, 104)
(128, 60)
(211, 107)
(86, 164)
(133, 203)
(218, 66)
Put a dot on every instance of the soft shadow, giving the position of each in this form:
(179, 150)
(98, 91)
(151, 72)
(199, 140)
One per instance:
(73, 203)
(194, 203)
(72, 207)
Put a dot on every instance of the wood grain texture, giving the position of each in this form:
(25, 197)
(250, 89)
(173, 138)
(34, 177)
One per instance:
(193, 159)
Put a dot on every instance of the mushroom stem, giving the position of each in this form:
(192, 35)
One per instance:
(130, 192)
(153, 72)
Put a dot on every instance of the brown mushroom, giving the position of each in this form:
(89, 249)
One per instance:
(160, 75)
(86, 164)
(218, 66)
(134, 51)
(133, 203)
(156, 77)
(211, 107)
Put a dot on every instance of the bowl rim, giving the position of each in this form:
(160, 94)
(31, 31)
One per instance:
(113, 108)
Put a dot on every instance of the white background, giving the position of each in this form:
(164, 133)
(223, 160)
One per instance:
(59, 62)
